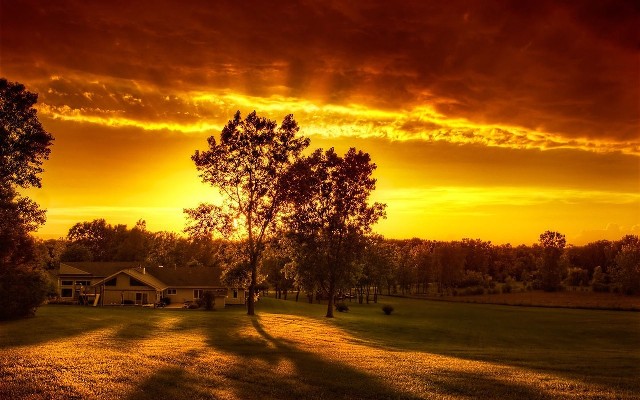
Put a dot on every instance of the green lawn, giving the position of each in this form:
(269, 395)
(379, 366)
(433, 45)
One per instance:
(425, 349)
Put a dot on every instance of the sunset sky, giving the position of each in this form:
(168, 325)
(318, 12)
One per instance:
(487, 119)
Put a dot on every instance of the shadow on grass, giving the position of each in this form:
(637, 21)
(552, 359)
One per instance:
(170, 383)
(274, 368)
(52, 322)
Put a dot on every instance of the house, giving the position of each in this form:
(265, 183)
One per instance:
(114, 283)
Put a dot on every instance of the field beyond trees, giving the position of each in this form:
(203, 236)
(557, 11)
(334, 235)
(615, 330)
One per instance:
(424, 349)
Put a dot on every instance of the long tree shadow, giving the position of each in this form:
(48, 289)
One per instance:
(276, 368)
(170, 383)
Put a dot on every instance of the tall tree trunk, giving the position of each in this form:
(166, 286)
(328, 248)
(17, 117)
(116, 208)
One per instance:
(251, 308)
(332, 294)
(298, 294)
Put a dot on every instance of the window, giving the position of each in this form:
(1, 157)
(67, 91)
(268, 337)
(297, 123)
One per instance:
(197, 293)
(111, 282)
(171, 292)
(135, 282)
(235, 293)
(83, 283)
(66, 293)
(67, 283)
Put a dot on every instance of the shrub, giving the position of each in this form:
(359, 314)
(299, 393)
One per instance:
(387, 309)
(165, 300)
(471, 278)
(21, 292)
(128, 302)
(208, 300)
(474, 291)
(493, 291)
(600, 287)
(193, 306)
(342, 307)
(60, 302)
(506, 288)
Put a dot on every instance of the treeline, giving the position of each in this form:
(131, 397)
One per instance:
(377, 265)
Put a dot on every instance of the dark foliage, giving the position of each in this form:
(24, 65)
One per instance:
(24, 145)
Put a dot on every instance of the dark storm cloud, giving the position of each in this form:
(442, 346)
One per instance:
(567, 68)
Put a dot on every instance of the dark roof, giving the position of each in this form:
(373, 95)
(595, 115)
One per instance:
(187, 276)
(172, 277)
(97, 269)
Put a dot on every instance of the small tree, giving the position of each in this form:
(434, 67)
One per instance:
(598, 282)
(625, 273)
(247, 167)
(551, 270)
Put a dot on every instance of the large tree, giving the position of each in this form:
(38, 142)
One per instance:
(247, 166)
(331, 213)
(24, 145)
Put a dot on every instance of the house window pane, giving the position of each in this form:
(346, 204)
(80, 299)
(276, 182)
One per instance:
(83, 283)
(171, 291)
(66, 293)
(235, 293)
(197, 293)
(111, 282)
(67, 283)
(135, 282)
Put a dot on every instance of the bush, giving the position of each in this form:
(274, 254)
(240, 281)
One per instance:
(600, 287)
(341, 307)
(387, 309)
(21, 292)
(128, 302)
(165, 300)
(60, 302)
(208, 300)
(471, 278)
(474, 291)
(506, 288)
(193, 306)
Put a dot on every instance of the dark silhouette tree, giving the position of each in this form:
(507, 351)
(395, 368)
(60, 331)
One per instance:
(551, 269)
(331, 214)
(24, 145)
(247, 167)
(625, 273)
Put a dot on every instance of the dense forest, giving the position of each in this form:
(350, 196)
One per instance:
(388, 266)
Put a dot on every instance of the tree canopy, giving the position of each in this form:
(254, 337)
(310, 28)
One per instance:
(331, 213)
(248, 167)
(24, 145)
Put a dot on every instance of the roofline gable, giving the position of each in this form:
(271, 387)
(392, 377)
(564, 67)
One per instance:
(138, 276)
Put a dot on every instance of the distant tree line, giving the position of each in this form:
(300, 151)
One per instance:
(376, 265)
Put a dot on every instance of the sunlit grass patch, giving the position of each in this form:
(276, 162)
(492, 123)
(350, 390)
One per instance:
(289, 351)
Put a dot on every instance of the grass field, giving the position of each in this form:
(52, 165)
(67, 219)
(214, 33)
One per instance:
(564, 299)
(424, 349)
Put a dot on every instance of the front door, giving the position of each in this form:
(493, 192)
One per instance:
(142, 298)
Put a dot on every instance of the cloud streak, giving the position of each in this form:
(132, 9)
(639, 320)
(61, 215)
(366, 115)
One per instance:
(200, 111)
(560, 69)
